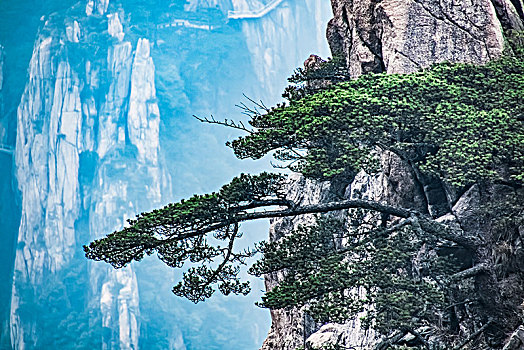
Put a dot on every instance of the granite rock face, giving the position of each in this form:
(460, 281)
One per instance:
(396, 185)
(70, 144)
(89, 155)
(396, 36)
(402, 36)
(290, 329)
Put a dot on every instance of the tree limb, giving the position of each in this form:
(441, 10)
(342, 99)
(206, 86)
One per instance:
(471, 272)
(226, 122)
(267, 202)
(446, 232)
(419, 337)
(385, 344)
(427, 224)
(131, 243)
(474, 335)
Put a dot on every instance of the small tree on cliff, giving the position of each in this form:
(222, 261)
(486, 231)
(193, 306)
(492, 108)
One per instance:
(461, 124)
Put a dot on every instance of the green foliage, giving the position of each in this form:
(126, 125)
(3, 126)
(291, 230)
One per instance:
(178, 231)
(515, 43)
(304, 81)
(183, 220)
(373, 271)
(461, 122)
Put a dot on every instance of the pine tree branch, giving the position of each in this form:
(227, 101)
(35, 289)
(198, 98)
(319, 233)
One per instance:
(427, 224)
(471, 272)
(226, 122)
(474, 335)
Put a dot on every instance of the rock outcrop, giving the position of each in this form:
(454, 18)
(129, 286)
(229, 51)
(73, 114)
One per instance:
(89, 155)
(397, 36)
(70, 143)
(402, 36)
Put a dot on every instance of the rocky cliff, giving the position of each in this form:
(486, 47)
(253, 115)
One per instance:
(108, 96)
(403, 36)
(8, 213)
(74, 134)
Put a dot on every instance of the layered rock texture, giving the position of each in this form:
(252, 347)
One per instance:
(398, 36)
(73, 134)
(110, 88)
(403, 36)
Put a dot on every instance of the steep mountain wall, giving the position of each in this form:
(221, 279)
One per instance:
(108, 96)
(8, 215)
(2, 81)
(404, 36)
(398, 36)
(74, 134)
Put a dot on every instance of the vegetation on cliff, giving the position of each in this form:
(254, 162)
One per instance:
(459, 124)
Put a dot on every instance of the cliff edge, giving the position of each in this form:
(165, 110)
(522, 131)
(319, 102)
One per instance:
(404, 36)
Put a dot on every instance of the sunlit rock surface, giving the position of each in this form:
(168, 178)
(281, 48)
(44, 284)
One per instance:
(401, 36)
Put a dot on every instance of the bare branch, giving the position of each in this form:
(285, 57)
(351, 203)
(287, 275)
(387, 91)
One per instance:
(247, 111)
(398, 226)
(226, 122)
(259, 105)
(328, 207)
(464, 302)
(419, 337)
(286, 166)
(267, 202)
(446, 232)
(474, 335)
(388, 342)
(471, 272)
(227, 255)
(427, 224)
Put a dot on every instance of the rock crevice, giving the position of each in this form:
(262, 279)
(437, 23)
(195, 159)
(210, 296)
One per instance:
(401, 36)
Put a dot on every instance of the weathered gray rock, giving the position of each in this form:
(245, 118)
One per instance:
(290, 329)
(49, 118)
(402, 36)
(399, 36)
(395, 185)
(510, 13)
(350, 334)
(516, 340)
